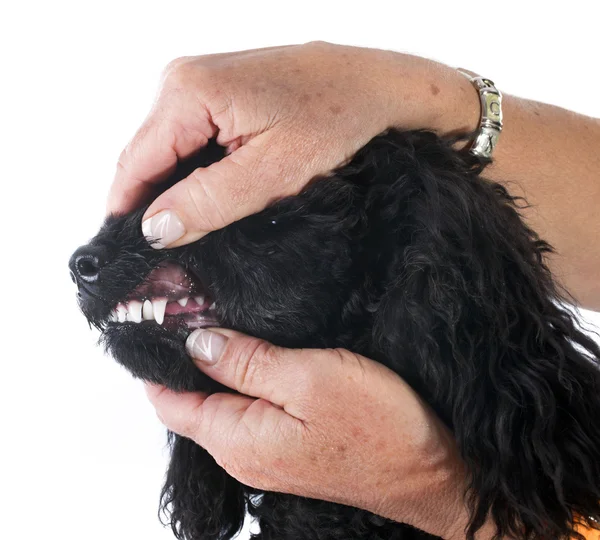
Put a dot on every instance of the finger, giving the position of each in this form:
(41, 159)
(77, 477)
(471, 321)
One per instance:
(258, 369)
(242, 183)
(172, 407)
(220, 420)
(152, 155)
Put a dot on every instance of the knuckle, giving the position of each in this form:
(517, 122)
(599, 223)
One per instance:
(175, 67)
(124, 158)
(310, 380)
(250, 370)
(208, 210)
(198, 423)
(325, 369)
(319, 44)
(176, 62)
(121, 164)
(124, 167)
(249, 476)
(185, 72)
(348, 359)
(359, 374)
(131, 153)
(189, 425)
(246, 467)
(233, 467)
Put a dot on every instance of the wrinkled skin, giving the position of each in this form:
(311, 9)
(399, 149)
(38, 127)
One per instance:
(409, 257)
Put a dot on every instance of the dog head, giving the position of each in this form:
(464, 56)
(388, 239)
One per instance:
(287, 274)
(405, 255)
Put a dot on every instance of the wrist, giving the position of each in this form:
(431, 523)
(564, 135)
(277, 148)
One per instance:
(436, 499)
(431, 496)
(442, 510)
(424, 94)
(446, 513)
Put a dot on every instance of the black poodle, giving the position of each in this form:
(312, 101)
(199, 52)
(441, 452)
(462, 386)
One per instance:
(407, 256)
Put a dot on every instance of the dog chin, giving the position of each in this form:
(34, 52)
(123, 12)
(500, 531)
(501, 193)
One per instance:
(155, 354)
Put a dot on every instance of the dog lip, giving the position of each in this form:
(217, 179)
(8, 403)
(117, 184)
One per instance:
(170, 292)
(172, 323)
(168, 280)
(158, 310)
(83, 290)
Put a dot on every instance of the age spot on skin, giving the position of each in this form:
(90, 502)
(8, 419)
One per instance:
(357, 432)
(434, 89)
(335, 109)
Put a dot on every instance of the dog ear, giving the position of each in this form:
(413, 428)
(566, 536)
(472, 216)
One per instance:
(199, 500)
(473, 320)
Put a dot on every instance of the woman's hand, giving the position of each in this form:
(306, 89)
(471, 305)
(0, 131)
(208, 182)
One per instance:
(285, 114)
(326, 424)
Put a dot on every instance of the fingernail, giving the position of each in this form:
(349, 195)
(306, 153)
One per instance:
(205, 346)
(163, 229)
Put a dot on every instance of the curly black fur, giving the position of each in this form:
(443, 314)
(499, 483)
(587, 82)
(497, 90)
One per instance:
(408, 256)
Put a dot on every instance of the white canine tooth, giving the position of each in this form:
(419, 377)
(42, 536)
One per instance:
(147, 311)
(183, 301)
(158, 306)
(199, 299)
(212, 306)
(121, 313)
(134, 311)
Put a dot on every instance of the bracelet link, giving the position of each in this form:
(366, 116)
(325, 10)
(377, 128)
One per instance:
(490, 124)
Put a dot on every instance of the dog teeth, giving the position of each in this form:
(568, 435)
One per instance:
(121, 313)
(213, 305)
(134, 311)
(147, 311)
(158, 306)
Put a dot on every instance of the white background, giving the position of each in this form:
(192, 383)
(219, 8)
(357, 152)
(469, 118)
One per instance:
(82, 454)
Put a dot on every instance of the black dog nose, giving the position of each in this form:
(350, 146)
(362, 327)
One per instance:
(86, 263)
(87, 267)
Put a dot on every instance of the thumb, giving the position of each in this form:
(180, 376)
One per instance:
(253, 367)
(269, 379)
(210, 198)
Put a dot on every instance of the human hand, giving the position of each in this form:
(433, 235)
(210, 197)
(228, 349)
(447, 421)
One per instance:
(325, 424)
(285, 115)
